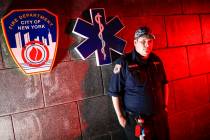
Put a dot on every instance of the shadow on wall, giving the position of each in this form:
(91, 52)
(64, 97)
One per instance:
(4, 4)
(97, 116)
(65, 39)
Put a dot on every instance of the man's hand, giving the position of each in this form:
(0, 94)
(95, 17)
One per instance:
(117, 103)
(122, 121)
(166, 93)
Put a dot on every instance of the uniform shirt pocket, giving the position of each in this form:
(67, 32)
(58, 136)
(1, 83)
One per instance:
(136, 78)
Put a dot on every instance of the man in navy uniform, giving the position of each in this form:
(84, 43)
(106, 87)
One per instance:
(139, 90)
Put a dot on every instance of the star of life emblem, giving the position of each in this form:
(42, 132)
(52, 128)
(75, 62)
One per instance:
(100, 37)
(32, 38)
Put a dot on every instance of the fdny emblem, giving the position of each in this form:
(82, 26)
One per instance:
(32, 38)
(100, 36)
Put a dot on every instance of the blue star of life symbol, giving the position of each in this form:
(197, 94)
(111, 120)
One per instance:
(99, 37)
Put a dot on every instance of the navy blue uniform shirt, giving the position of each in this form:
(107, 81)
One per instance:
(139, 82)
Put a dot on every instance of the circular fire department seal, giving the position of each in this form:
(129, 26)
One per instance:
(35, 54)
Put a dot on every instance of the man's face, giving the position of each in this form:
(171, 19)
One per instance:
(143, 46)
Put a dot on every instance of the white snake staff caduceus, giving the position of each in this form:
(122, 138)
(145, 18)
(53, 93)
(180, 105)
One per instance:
(101, 29)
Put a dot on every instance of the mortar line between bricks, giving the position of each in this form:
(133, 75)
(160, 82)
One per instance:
(60, 104)
(102, 81)
(164, 22)
(167, 15)
(188, 110)
(64, 103)
(30, 110)
(145, 15)
(171, 47)
(11, 68)
(188, 63)
(192, 76)
(87, 98)
(13, 129)
(79, 118)
(42, 89)
(187, 14)
(14, 113)
(92, 97)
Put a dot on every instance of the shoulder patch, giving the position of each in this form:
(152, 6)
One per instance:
(156, 62)
(117, 68)
(133, 65)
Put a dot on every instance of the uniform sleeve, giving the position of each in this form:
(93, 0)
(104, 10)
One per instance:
(165, 80)
(117, 82)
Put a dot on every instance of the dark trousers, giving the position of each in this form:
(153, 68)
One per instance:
(157, 126)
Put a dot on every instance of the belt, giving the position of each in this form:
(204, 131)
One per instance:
(139, 115)
(135, 114)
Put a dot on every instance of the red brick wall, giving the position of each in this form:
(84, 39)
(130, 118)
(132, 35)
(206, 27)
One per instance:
(71, 101)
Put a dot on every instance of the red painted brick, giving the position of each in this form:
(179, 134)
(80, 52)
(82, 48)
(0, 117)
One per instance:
(191, 125)
(154, 22)
(205, 22)
(208, 77)
(74, 9)
(70, 8)
(191, 93)
(199, 59)
(171, 100)
(55, 6)
(123, 8)
(183, 30)
(52, 5)
(181, 126)
(201, 119)
(99, 4)
(196, 6)
(160, 7)
(132, 8)
(175, 62)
